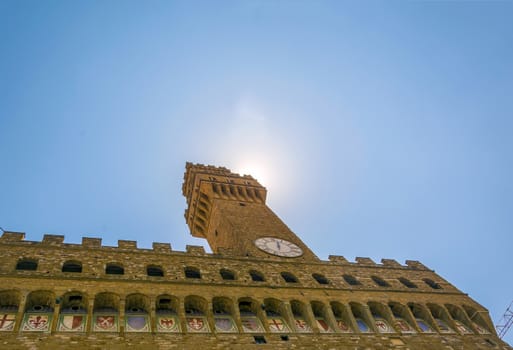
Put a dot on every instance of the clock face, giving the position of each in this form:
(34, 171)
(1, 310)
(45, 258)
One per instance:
(278, 246)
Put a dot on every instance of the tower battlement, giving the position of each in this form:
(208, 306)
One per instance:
(204, 184)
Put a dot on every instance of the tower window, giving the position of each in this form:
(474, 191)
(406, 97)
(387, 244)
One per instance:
(192, 272)
(432, 283)
(227, 275)
(351, 280)
(154, 271)
(256, 276)
(72, 266)
(407, 282)
(320, 278)
(380, 282)
(27, 265)
(114, 269)
(288, 277)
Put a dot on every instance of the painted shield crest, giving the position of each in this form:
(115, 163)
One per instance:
(276, 324)
(424, 326)
(7, 322)
(462, 328)
(72, 323)
(480, 329)
(225, 324)
(302, 325)
(251, 324)
(444, 328)
(324, 327)
(383, 326)
(343, 326)
(196, 324)
(403, 326)
(37, 323)
(137, 324)
(105, 324)
(362, 326)
(167, 324)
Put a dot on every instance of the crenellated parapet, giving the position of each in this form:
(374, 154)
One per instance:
(50, 240)
(88, 243)
(12, 237)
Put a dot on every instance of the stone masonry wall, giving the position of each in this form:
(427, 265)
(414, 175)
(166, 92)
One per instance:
(366, 300)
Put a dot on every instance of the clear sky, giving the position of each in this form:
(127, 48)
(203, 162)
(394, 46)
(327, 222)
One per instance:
(380, 128)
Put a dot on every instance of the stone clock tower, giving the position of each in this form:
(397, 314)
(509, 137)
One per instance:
(229, 210)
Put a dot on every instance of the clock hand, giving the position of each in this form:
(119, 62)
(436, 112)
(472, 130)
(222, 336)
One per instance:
(278, 245)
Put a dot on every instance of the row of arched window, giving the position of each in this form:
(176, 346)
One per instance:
(43, 311)
(191, 272)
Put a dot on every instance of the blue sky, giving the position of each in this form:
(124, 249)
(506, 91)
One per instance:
(380, 129)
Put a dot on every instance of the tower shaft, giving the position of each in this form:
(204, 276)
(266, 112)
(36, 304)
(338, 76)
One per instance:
(230, 212)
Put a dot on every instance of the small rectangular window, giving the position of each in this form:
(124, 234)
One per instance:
(191, 272)
(30, 265)
(260, 339)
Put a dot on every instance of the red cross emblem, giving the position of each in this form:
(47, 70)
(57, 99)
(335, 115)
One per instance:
(7, 322)
(276, 324)
(301, 324)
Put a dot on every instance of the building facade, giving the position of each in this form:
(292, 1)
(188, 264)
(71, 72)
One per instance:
(261, 288)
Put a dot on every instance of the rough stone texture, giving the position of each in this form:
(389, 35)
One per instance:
(240, 342)
(231, 218)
